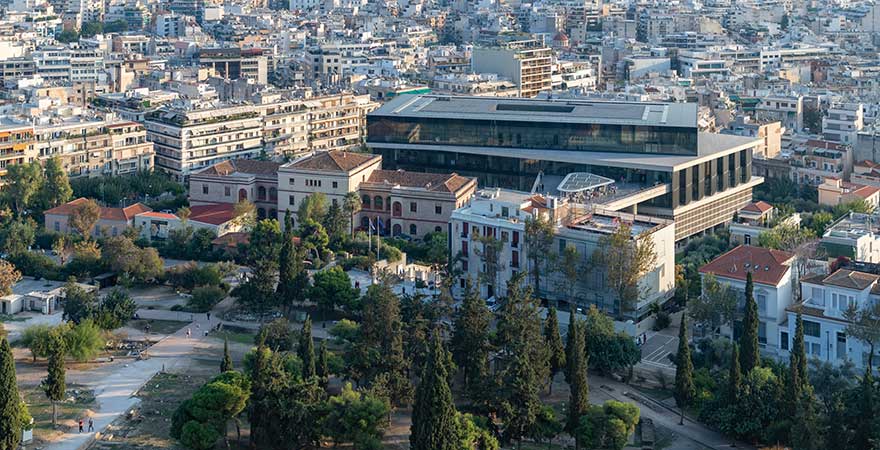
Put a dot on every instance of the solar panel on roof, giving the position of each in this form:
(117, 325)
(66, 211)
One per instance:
(582, 181)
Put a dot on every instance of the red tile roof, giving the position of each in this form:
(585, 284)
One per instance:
(845, 278)
(116, 214)
(865, 191)
(758, 207)
(335, 161)
(767, 266)
(159, 215)
(436, 182)
(212, 214)
(246, 166)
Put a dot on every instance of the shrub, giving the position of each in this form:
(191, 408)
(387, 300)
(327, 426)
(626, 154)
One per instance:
(662, 321)
(204, 298)
(35, 265)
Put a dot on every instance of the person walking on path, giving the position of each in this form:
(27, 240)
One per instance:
(91, 425)
(80, 425)
(188, 333)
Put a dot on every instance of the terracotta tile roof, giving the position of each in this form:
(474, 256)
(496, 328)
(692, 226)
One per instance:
(758, 207)
(246, 166)
(212, 214)
(849, 279)
(159, 215)
(869, 164)
(767, 266)
(117, 214)
(435, 182)
(865, 191)
(335, 161)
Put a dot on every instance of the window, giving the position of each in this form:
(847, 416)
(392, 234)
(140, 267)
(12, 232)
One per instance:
(815, 349)
(291, 200)
(762, 303)
(335, 202)
(205, 189)
(514, 259)
(747, 239)
(783, 340)
(227, 191)
(504, 236)
(335, 185)
(464, 248)
(438, 209)
(57, 226)
(841, 345)
(377, 202)
(811, 328)
(438, 229)
(292, 181)
(413, 230)
(413, 207)
(464, 265)
(762, 332)
(515, 241)
(505, 211)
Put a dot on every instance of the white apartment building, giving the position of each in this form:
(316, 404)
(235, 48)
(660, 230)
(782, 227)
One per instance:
(772, 277)
(187, 141)
(855, 236)
(501, 215)
(826, 299)
(338, 122)
(70, 65)
(285, 125)
(786, 109)
(843, 122)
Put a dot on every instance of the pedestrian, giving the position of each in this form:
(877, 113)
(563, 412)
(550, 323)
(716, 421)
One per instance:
(80, 425)
(188, 332)
(91, 425)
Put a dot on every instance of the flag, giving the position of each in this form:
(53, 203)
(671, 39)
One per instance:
(381, 225)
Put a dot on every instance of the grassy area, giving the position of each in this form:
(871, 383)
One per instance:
(9, 318)
(69, 412)
(157, 326)
(239, 337)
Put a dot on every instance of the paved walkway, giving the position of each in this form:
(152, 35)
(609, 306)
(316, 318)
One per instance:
(114, 393)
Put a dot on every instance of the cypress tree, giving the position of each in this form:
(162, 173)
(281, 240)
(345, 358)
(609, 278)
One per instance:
(321, 368)
(579, 387)
(684, 371)
(750, 356)
(54, 384)
(554, 344)
(10, 402)
(865, 432)
(800, 348)
(226, 364)
(434, 423)
(797, 369)
(470, 338)
(569, 344)
(734, 378)
(306, 349)
(292, 280)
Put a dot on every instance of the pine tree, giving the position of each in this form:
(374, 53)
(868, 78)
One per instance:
(554, 344)
(54, 384)
(579, 388)
(569, 344)
(306, 350)
(470, 338)
(321, 368)
(434, 423)
(520, 404)
(865, 435)
(750, 356)
(226, 364)
(734, 378)
(10, 402)
(684, 371)
(805, 426)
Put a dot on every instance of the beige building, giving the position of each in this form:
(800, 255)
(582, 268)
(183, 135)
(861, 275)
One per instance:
(96, 148)
(338, 122)
(334, 174)
(16, 145)
(111, 222)
(229, 182)
(835, 191)
(525, 61)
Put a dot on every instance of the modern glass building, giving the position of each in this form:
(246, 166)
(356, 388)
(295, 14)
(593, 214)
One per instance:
(662, 165)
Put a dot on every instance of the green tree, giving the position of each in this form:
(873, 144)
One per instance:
(865, 433)
(553, 341)
(608, 426)
(579, 388)
(116, 309)
(470, 337)
(83, 341)
(351, 205)
(382, 331)
(433, 418)
(356, 417)
(198, 436)
(79, 305)
(37, 339)
(67, 36)
(750, 355)
(684, 371)
(11, 411)
(569, 342)
(569, 268)
(313, 208)
(17, 236)
(90, 29)
(84, 216)
(322, 368)
(276, 335)
(805, 433)
(519, 398)
(538, 240)
(258, 292)
(226, 364)
(56, 190)
(864, 325)
(8, 277)
(265, 243)
(306, 350)
(624, 260)
(734, 377)
(334, 223)
(547, 425)
(293, 280)
(716, 305)
(821, 220)
(332, 288)
(609, 351)
(23, 184)
(54, 385)
(785, 236)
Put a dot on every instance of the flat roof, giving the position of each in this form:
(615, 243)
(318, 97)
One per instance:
(709, 146)
(539, 110)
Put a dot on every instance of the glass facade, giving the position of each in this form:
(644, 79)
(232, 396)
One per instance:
(531, 134)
